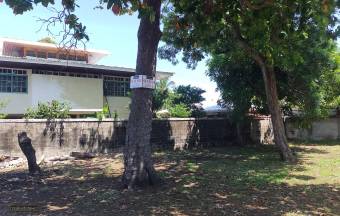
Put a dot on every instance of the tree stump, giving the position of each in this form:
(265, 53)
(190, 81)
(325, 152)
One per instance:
(28, 150)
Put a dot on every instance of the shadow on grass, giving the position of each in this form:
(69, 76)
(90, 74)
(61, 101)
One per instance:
(221, 181)
(299, 149)
(315, 143)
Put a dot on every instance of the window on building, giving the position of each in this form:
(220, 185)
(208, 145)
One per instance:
(13, 80)
(72, 58)
(31, 53)
(63, 56)
(116, 86)
(52, 55)
(62, 73)
(41, 55)
(81, 58)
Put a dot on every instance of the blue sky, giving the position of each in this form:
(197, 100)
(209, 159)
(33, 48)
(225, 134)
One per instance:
(117, 34)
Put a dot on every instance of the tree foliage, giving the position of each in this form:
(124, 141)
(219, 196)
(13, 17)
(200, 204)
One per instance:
(179, 111)
(182, 101)
(160, 95)
(191, 97)
(277, 29)
(240, 82)
(330, 88)
(295, 37)
(277, 36)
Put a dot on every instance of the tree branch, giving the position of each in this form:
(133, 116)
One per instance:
(258, 6)
(236, 31)
(67, 34)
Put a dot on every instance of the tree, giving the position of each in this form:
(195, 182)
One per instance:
(182, 101)
(159, 96)
(271, 33)
(330, 88)
(138, 164)
(239, 81)
(191, 97)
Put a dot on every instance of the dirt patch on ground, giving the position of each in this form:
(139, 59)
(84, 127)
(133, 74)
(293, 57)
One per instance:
(221, 181)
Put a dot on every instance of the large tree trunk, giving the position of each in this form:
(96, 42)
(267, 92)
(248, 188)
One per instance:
(138, 164)
(275, 112)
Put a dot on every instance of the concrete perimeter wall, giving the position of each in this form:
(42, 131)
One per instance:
(59, 138)
(326, 129)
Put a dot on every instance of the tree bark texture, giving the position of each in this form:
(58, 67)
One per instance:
(138, 165)
(269, 78)
(28, 150)
(275, 112)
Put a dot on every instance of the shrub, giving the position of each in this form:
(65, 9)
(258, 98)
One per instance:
(2, 105)
(105, 113)
(180, 111)
(163, 114)
(49, 110)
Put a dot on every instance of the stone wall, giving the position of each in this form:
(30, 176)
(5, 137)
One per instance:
(59, 138)
(326, 129)
(261, 130)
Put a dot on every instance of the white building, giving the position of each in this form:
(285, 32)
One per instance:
(33, 72)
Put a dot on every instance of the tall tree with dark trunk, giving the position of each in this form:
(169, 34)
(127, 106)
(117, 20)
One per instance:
(139, 169)
(271, 33)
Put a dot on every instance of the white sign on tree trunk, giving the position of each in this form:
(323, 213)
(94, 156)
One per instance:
(142, 81)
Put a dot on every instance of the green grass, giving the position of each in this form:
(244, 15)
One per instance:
(237, 167)
(312, 185)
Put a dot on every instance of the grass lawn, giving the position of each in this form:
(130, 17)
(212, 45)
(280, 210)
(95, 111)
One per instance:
(216, 181)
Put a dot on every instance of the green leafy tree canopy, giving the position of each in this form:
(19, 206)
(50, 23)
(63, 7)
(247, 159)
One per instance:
(273, 34)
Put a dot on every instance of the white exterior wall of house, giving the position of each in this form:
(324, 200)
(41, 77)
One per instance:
(83, 94)
(119, 105)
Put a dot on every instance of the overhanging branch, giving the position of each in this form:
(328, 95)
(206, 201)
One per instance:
(247, 48)
(67, 33)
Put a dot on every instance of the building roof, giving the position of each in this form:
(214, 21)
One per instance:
(51, 45)
(70, 66)
(94, 55)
